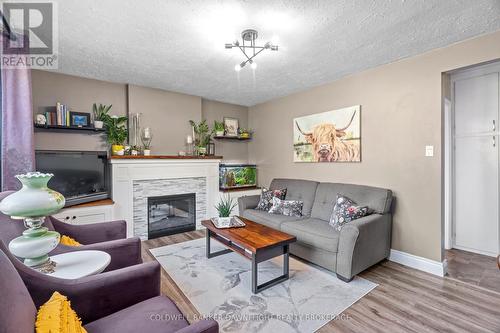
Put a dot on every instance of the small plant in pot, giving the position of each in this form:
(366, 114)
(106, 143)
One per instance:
(225, 207)
(100, 112)
(117, 132)
(202, 136)
(218, 128)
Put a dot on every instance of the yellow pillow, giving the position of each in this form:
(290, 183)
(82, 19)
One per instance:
(66, 240)
(57, 316)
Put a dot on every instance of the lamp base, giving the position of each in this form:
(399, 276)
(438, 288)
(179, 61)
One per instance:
(34, 245)
(47, 266)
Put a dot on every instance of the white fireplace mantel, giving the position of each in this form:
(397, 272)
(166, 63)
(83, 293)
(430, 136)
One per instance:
(125, 171)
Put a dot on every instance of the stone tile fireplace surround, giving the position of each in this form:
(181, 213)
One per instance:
(136, 179)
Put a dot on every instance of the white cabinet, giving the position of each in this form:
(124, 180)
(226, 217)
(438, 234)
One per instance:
(85, 215)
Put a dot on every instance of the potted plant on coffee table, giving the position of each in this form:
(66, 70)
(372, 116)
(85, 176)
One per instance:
(225, 207)
(117, 132)
(100, 112)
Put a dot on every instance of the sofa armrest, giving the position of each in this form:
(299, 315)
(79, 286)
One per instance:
(363, 243)
(202, 326)
(248, 202)
(92, 233)
(124, 252)
(97, 296)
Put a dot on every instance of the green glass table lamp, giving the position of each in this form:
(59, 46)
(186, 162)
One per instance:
(32, 203)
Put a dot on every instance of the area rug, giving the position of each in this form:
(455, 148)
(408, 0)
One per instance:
(220, 287)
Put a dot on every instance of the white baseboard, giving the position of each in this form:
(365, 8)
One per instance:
(420, 263)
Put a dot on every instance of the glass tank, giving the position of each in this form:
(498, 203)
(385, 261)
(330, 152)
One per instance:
(237, 176)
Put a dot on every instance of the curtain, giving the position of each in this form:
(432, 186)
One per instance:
(17, 138)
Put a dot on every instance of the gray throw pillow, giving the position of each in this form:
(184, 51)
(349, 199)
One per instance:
(266, 198)
(286, 207)
(345, 211)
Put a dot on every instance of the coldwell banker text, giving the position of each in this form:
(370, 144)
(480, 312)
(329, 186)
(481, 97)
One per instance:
(30, 35)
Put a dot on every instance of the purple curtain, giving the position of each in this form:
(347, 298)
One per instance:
(18, 153)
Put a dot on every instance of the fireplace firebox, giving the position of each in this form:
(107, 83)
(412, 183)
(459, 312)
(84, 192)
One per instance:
(171, 214)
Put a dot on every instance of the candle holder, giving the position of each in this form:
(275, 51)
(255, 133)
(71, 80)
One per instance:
(146, 138)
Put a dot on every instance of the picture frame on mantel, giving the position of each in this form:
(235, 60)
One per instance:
(231, 126)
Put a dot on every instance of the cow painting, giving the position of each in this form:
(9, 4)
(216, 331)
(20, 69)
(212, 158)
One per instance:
(327, 140)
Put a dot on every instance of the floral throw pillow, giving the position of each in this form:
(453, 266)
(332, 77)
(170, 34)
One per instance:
(345, 211)
(266, 198)
(286, 207)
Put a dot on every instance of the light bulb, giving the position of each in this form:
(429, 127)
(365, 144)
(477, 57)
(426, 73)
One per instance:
(254, 65)
(237, 67)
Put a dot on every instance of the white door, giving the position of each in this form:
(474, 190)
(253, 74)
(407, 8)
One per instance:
(476, 204)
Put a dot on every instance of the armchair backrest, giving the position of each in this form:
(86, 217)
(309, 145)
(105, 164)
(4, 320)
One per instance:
(17, 310)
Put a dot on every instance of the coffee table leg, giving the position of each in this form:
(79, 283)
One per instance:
(254, 275)
(207, 242)
(209, 253)
(256, 288)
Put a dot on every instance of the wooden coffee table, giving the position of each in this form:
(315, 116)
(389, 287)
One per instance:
(255, 242)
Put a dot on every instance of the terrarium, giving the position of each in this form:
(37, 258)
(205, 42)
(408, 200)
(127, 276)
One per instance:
(233, 176)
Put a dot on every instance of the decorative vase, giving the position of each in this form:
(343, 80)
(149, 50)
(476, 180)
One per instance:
(147, 152)
(32, 203)
(202, 151)
(98, 124)
(117, 150)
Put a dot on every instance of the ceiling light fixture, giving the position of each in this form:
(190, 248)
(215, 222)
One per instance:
(248, 43)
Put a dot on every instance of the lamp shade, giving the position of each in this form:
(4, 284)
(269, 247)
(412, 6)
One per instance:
(34, 199)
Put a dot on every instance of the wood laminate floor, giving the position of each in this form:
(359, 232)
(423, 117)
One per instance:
(406, 300)
(474, 268)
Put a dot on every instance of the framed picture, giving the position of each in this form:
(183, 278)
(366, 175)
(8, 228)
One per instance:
(79, 119)
(231, 126)
(332, 136)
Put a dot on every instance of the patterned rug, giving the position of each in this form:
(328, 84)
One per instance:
(220, 287)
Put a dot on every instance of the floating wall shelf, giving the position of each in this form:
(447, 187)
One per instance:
(59, 128)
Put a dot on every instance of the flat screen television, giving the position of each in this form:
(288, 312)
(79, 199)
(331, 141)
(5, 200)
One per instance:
(81, 176)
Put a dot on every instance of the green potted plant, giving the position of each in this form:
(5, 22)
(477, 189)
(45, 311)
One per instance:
(202, 136)
(117, 132)
(225, 207)
(218, 128)
(244, 133)
(100, 112)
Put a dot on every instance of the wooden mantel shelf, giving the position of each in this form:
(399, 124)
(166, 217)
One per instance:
(165, 157)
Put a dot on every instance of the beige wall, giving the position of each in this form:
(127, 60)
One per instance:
(79, 94)
(401, 114)
(167, 114)
(233, 151)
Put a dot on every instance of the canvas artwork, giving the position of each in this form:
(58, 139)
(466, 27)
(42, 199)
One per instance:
(332, 136)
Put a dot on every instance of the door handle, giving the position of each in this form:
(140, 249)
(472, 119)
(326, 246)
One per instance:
(494, 125)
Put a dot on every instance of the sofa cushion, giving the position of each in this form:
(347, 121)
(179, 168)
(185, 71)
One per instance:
(377, 199)
(266, 198)
(286, 207)
(157, 314)
(297, 189)
(313, 232)
(269, 220)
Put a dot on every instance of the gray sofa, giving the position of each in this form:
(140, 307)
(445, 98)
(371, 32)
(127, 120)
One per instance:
(359, 245)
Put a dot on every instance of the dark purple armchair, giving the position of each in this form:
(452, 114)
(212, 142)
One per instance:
(109, 237)
(125, 300)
